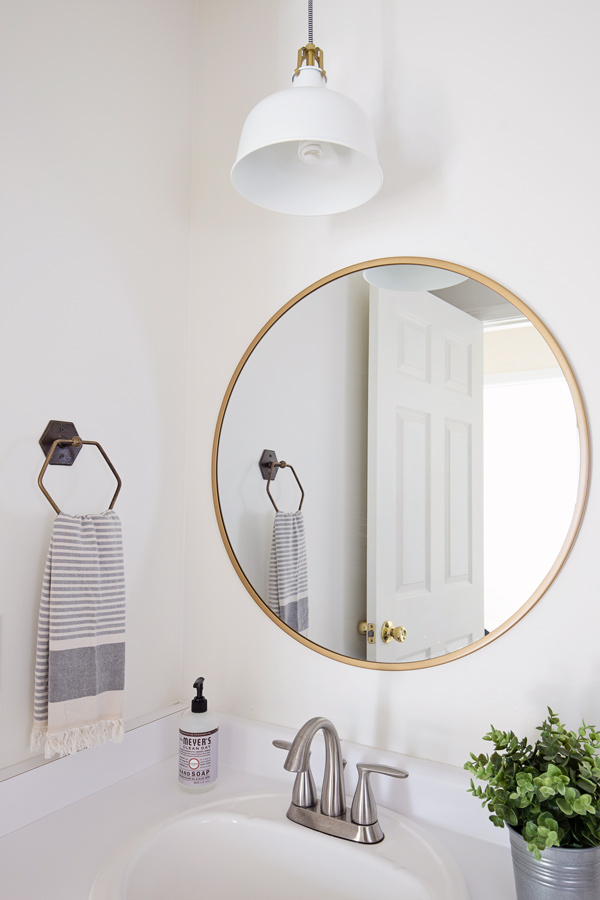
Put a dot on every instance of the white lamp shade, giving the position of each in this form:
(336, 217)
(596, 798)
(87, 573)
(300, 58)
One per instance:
(412, 278)
(307, 151)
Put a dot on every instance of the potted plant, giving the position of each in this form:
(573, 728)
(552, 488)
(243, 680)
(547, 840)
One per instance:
(549, 796)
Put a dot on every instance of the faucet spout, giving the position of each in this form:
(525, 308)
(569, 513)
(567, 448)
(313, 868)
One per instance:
(333, 801)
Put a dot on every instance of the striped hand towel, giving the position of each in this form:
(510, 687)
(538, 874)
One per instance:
(288, 572)
(80, 663)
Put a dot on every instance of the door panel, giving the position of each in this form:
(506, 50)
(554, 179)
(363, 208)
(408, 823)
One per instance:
(425, 490)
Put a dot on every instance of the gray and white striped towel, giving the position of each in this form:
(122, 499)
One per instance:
(288, 571)
(80, 662)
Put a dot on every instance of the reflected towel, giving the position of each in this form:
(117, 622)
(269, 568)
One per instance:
(80, 662)
(288, 572)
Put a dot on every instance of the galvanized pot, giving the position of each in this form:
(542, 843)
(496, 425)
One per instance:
(561, 874)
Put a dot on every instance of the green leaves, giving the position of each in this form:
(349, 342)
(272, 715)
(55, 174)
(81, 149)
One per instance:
(544, 832)
(549, 792)
(582, 806)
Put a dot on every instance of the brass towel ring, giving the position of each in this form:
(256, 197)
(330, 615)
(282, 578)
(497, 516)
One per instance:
(282, 465)
(76, 442)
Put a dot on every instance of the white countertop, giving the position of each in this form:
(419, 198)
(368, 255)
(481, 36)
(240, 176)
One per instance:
(58, 856)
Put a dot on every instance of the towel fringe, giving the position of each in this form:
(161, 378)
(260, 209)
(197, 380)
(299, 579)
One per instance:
(65, 743)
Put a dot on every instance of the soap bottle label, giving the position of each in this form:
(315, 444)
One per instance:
(198, 757)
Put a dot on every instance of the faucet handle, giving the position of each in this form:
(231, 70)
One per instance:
(304, 792)
(364, 808)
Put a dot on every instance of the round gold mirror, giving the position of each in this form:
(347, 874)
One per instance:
(439, 438)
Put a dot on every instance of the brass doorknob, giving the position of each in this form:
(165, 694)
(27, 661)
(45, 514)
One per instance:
(389, 633)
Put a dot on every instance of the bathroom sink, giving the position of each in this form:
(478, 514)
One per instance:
(246, 847)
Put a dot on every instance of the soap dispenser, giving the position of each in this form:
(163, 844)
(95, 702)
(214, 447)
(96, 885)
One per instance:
(198, 745)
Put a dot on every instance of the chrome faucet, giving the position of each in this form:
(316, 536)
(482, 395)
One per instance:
(333, 799)
(330, 815)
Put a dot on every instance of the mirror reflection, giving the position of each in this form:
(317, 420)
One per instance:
(436, 439)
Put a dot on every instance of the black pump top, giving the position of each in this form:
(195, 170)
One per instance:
(199, 703)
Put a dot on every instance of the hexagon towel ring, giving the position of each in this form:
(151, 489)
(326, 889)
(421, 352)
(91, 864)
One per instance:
(64, 435)
(268, 466)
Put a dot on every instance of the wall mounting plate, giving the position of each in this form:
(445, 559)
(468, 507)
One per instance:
(56, 430)
(268, 457)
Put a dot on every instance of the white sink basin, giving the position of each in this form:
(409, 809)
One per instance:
(245, 847)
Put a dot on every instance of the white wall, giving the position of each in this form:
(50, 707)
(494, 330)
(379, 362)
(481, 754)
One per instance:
(489, 146)
(95, 163)
(303, 394)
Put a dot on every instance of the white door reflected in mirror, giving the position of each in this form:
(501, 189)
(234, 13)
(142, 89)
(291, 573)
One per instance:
(425, 474)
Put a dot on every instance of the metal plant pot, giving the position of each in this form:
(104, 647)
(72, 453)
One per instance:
(559, 875)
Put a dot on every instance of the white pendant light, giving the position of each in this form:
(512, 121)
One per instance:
(307, 150)
(408, 277)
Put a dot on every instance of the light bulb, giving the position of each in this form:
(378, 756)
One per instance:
(310, 152)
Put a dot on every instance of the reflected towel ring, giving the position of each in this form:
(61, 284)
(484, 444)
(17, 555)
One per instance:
(74, 442)
(282, 465)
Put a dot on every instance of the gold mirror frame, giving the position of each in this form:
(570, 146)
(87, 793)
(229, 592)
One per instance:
(584, 463)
